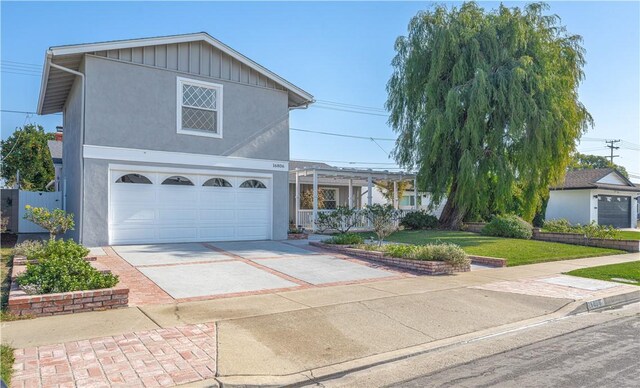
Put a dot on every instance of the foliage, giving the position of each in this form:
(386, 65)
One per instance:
(26, 150)
(582, 161)
(386, 188)
(29, 248)
(61, 268)
(6, 363)
(510, 226)
(592, 230)
(419, 220)
(345, 239)
(516, 251)
(449, 253)
(629, 271)
(295, 230)
(485, 100)
(383, 220)
(4, 223)
(56, 221)
(306, 202)
(341, 219)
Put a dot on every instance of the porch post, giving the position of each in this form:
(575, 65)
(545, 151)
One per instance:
(395, 195)
(297, 199)
(315, 200)
(369, 188)
(415, 193)
(350, 193)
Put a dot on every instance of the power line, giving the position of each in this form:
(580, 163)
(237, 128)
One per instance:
(612, 147)
(342, 135)
(345, 161)
(22, 63)
(352, 106)
(24, 112)
(348, 110)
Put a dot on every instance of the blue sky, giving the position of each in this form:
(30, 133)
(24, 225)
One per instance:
(339, 52)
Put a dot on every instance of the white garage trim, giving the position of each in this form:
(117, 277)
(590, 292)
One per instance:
(168, 213)
(183, 158)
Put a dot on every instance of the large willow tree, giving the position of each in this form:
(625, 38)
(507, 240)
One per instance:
(485, 102)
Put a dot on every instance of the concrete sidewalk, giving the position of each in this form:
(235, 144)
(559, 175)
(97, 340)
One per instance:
(290, 332)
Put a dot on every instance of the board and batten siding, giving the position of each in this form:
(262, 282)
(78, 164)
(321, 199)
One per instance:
(195, 58)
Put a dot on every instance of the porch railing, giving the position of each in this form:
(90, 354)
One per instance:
(305, 218)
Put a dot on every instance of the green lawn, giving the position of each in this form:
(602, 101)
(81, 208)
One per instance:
(630, 271)
(628, 235)
(6, 363)
(517, 252)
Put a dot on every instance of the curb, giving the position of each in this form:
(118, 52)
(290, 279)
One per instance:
(316, 376)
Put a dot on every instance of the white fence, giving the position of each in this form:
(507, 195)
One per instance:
(49, 200)
(305, 218)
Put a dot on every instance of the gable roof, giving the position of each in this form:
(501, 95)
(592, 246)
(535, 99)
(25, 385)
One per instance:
(55, 149)
(588, 179)
(56, 84)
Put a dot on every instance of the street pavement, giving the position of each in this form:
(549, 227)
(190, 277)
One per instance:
(606, 355)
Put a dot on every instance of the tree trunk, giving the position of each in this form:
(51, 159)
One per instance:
(452, 216)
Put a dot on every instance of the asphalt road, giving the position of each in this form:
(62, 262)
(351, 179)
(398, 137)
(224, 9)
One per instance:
(606, 355)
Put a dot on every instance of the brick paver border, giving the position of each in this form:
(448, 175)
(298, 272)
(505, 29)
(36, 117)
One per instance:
(154, 358)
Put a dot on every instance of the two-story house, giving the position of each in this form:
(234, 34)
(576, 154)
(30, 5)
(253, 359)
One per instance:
(171, 139)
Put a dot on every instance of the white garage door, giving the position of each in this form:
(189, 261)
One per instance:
(157, 207)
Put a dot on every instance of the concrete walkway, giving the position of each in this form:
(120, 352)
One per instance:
(324, 327)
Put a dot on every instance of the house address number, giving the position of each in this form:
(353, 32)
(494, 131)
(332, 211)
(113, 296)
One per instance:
(278, 165)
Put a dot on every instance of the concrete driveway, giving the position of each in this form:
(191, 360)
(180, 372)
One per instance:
(200, 270)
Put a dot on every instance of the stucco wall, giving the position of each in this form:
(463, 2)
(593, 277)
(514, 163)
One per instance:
(634, 204)
(135, 106)
(72, 155)
(96, 226)
(572, 205)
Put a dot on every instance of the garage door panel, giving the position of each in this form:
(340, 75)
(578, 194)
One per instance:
(132, 235)
(219, 233)
(131, 214)
(614, 210)
(173, 233)
(147, 213)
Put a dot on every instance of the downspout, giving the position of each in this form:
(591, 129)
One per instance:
(82, 106)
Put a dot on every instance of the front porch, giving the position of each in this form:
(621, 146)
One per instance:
(316, 190)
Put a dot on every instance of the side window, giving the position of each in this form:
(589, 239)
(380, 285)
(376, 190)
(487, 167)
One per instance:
(134, 178)
(199, 108)
(177, 181)
(217, 182)
(253, 184)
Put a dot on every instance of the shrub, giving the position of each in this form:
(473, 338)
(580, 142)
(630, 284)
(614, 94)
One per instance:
(449, 253)
(419, 220)
(56, 221)
(4, 223)
(28, 248)
(61, 268)
(508, 226)
(383, 220)
(592, 230)
(341, 219)
(345, 239)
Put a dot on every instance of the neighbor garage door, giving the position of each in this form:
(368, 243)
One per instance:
(157, 207)
(614, 210)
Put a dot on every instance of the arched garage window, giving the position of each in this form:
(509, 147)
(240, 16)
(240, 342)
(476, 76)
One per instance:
(217, 182)
(177, 181)
(253, 184)
(134, 178)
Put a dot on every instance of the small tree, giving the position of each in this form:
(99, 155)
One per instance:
(26, 150)
(341, 219)
(56, 221)
(383, 220)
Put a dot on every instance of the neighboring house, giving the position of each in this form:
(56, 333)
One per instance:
(602, 195)
(407, 201)
(55, 149)
(171, 139)
(336, 186)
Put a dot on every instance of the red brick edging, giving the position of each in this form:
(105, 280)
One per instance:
(297, 236)
(21, 303)
(491, 261)
(427, 267)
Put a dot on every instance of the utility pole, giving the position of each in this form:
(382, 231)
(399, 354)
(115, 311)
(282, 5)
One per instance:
(610, 145)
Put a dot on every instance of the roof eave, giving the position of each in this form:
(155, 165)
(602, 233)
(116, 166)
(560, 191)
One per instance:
(43, 82)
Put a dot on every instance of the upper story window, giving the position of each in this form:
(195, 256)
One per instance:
(199, 108)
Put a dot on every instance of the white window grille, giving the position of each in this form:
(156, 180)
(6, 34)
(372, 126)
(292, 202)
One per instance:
(199, 108)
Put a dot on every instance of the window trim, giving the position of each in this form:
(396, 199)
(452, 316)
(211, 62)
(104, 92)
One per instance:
(180, 81)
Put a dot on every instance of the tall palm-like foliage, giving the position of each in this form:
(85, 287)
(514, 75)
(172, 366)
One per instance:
(486, 101)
